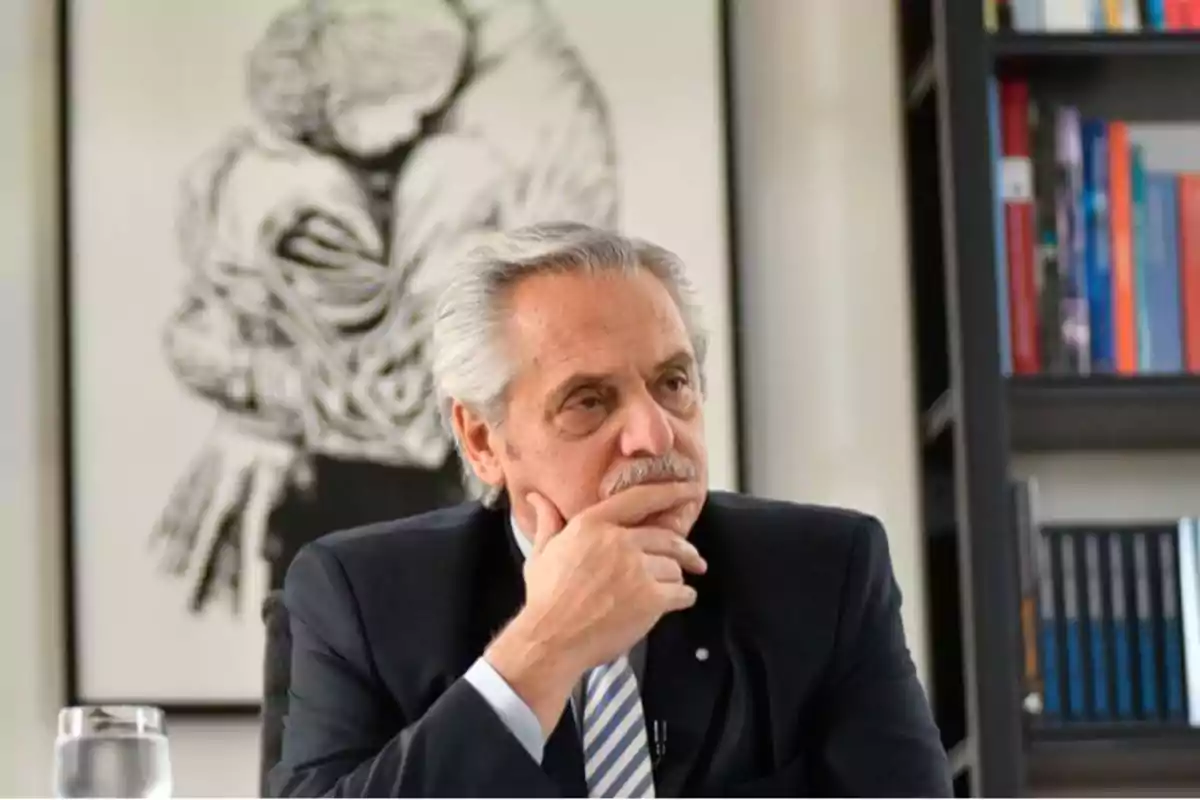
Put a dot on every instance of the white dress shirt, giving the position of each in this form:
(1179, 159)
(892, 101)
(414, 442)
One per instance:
(508, 705)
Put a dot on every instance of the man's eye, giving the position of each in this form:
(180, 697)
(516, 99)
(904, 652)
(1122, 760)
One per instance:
(677, 383)
(587, 402)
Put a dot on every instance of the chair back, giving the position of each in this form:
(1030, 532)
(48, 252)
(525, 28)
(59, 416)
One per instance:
(277, 674)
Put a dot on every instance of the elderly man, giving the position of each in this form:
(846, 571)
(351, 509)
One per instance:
(599, 624)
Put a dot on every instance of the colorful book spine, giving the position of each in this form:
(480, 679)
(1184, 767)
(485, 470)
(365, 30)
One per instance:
(1097, 250)
(1172, 628)
(1139, 266)
(1120, 174)
(1188, 536)
(1160, 299)
(1076, 697)
(1189, 266)
(1073, 281)
(1063, 16)
(998, 233)
(1027, 15)
(1051, 677)
(1122, 637)
(1019, 226)
(1155, 15)
(1048, 275)
(1147, 656)
(1097, 635)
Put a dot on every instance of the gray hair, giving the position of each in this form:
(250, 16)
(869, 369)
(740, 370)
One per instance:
(469, 361)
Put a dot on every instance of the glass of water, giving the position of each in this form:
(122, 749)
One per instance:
(111, 751)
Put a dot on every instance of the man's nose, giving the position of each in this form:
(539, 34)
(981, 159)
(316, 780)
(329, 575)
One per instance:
(647, 430)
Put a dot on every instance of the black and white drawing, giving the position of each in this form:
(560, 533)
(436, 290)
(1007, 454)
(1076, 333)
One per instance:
(380, 143)
(262, 201)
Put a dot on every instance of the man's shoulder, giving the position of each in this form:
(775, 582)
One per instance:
(787, 568)
(747, 521)
(765, 546)
(435, 539)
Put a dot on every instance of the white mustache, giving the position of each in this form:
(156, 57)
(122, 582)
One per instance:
(669, 467)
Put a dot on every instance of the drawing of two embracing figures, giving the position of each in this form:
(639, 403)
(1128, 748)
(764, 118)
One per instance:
(384, 137)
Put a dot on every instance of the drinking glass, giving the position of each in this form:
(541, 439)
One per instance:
(111, 751)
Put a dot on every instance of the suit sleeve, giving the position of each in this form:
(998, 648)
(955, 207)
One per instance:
(343, 736)
(881, 738)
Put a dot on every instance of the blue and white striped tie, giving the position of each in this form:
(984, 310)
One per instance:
(615, 749)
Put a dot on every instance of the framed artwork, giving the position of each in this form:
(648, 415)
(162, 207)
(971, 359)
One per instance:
(261, 200)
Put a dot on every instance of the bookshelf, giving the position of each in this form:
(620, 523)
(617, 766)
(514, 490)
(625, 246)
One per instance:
(1029, 47)
(975, 419)
(1049, 414)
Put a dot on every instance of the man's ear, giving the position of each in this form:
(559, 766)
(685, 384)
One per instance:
(479, 444)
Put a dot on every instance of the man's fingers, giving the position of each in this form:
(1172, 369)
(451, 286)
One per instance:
(548, 521)
(663, 569)
(635, 504)
(663, 542)
(676, 596)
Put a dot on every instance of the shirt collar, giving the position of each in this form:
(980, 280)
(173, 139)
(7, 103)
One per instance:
(523, 542)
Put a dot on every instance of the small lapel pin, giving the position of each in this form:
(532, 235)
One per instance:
(702, 654)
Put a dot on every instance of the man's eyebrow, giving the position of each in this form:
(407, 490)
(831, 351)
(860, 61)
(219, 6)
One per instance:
(681, 358)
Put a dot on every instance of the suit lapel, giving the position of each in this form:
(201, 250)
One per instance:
(687, 663)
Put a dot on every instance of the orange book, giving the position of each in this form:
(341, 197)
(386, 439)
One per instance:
(1120, 200)
(1112, 14)
(1189, 267)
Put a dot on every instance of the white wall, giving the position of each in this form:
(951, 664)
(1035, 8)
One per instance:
(824, 278)
(210, 759)
(824, 316)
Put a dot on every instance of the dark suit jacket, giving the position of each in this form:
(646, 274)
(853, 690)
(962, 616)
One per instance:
(807, 688)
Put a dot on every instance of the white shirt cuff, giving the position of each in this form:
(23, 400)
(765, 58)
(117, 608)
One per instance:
(509, 706)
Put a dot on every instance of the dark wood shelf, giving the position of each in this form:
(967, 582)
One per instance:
(1104, 413)
(1025, 46)
(1152, 757)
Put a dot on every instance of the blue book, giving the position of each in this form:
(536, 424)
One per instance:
(1098, 244)
(1156, 15)
(998, 233)
(1147, 656)
(1076, 700)
(1071, 229)
(1161, 298)
(1027, 15)
(1122, 638)
(1140, 234)
(1052, 707)
(1172, 628)
(1097, 636)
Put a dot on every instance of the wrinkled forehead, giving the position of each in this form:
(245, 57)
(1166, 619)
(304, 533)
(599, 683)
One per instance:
(607, 323)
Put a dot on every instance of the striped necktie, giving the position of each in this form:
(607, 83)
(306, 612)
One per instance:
(615, 749)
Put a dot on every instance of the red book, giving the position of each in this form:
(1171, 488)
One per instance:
(1189, 267)
(1192, 14)
(1019, 229)
(1177, 14)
